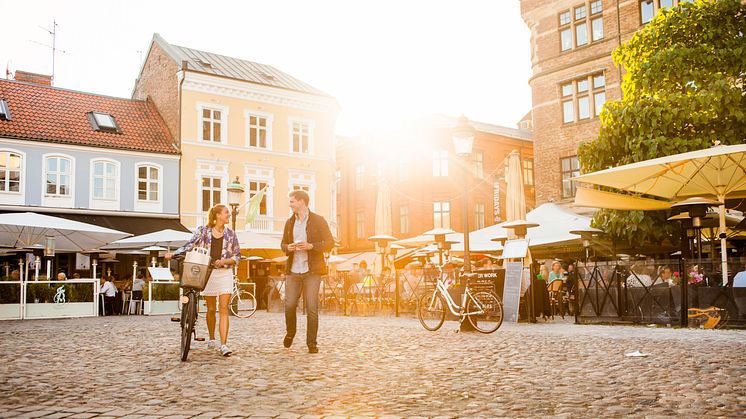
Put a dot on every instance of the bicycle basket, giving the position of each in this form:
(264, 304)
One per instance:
(196, 270)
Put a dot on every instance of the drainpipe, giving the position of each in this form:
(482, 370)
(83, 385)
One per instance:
(619, 43)
(184, 67)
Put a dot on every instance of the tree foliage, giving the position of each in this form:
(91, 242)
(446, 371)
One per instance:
(683, 90)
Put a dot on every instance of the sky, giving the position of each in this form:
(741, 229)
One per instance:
(382, 60)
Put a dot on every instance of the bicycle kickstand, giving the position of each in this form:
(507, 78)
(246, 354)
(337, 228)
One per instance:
(460, 320)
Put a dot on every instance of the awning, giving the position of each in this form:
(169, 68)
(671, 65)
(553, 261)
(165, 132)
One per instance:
(133, 225)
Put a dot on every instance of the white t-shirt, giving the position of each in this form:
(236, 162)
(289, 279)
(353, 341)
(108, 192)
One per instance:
(109, 289)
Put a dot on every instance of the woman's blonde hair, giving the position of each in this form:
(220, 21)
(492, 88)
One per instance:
(212, 215)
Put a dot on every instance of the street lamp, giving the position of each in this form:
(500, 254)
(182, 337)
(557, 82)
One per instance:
(235, 192)
(463, 142)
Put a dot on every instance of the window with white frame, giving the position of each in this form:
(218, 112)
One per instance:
(479, 215)
(442, 214)
(570, 168)
(478, 156)
(440, 163)
(404, 219)
(304, 181)
(148, 180)
(259, 130)
(528, 172)
(300, 137)
(212, 125)
(583, 98)
(581, 25)
(211, 190)
(359, 177)
(254, 187)
(105, 178)
(360, 225)
(58, 176)
(10, 172)
(649, 8)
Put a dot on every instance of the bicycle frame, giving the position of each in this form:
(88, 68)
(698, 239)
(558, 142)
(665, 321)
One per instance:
(454, 308)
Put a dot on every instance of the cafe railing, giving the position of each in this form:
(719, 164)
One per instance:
(58, 299)
(163, 297)
(11, 300)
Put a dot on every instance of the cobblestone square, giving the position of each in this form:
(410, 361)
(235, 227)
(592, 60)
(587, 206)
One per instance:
(127, 366)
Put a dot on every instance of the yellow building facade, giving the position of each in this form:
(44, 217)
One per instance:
(251, 122)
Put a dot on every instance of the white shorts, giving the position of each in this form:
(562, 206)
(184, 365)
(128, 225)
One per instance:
(220, 282)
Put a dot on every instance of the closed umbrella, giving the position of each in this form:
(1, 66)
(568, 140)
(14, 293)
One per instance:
(718, 172)
(515, 195)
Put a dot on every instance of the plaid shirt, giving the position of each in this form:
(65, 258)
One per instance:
(203, 238)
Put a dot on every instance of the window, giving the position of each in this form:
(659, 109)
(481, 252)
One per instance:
(212, 188)
(570, 168)
(528, 172)
(582, 95)
(478, 164)
(4, 110)
(442, 214)
(259, 130)
(440, 163)
(58, 176)
(212, 125)
(254, 187)
(479, 216)
(105, 180)
(10, 171)
(404, 219)
(102, 122)
(360, 225)
(301, 137)
(359, 177)
(648, 8)
(148, 179)
(575, 32)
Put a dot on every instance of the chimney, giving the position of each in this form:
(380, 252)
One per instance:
(33, 78)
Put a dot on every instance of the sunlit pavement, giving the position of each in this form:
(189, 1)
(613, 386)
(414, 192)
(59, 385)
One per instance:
(128, 366)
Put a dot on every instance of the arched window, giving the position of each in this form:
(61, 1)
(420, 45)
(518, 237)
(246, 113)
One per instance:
(105, 179)
(58, 176)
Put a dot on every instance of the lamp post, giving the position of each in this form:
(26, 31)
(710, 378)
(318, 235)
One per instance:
(463, 142)
(235, 192)
(382, 242)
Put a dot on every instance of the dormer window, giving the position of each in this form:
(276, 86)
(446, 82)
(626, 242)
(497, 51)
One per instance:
(103, 122)
(4, 110)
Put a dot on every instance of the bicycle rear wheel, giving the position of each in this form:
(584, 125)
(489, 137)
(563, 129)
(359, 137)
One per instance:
(188, 318)
(431, 311)
(243, 304)
(490, 309)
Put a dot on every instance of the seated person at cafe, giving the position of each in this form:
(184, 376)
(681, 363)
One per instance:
(739, 281)
(76, 275)
(109, 290)
(61, 276)
(636, 279)
(667, 276)
(556, 273)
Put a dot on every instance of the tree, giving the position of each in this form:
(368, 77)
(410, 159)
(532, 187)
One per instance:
(683, 90)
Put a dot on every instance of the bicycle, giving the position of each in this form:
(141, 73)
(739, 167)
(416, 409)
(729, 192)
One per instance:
(484, 309)
(188, 321)
(243, 303)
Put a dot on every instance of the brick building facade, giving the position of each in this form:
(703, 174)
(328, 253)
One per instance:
(573, 76)
(425, 178)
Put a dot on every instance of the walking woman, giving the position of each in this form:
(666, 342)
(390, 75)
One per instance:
(225, 252)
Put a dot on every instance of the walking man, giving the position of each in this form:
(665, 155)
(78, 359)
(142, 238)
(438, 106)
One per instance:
(305, 239)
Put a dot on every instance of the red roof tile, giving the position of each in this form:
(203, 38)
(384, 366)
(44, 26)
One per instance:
(44, 113)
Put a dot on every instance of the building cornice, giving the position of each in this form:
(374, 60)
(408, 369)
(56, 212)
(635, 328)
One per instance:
(71, 147)
(210, 84)
(113, 213)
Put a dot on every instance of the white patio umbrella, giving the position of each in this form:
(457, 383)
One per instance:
(168, 238)
(718, 172)
(26, 229)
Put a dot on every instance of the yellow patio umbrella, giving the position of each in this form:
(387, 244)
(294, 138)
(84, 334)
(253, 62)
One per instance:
(718, 172)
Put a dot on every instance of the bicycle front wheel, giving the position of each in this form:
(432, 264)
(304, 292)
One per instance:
(243, 304)
(188, 318)
(431, 311)
(489, 311)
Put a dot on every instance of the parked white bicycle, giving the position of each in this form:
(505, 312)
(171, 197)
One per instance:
(243, 303)
(483, 308)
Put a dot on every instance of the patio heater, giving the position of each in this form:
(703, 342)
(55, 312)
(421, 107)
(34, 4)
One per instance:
(439, 236)
(94, 265)
(687, 227)
(383, 242)
(520, 229)
(235, 192)
(463, 143)
(586, 235)
(696, 207)
(49, 248)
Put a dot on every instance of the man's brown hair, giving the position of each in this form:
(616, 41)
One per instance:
(300, 195)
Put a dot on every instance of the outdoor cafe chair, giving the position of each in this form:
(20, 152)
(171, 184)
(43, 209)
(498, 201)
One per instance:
(556, 298)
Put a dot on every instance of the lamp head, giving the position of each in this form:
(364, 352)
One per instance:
(235, 192)
(463, 137)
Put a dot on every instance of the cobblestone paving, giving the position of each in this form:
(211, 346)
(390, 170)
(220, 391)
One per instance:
(128, 366)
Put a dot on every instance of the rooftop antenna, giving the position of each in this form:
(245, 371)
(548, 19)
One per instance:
(53, 32)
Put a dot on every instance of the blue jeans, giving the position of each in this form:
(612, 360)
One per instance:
(309, 284)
